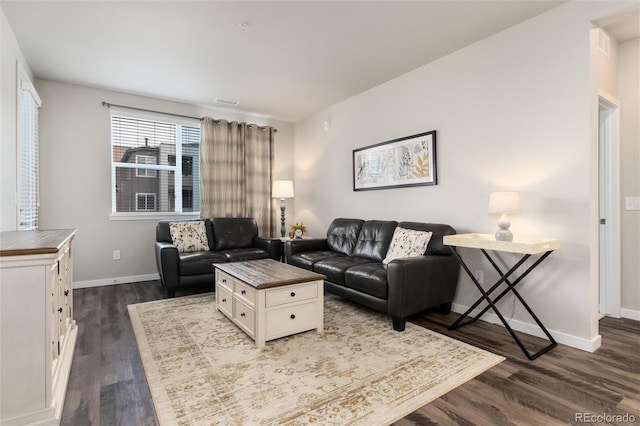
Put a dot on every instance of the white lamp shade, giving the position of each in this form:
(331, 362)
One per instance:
(504, 202)
(282, 189)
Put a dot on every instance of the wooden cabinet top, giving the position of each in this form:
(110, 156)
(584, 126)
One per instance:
(24, 243)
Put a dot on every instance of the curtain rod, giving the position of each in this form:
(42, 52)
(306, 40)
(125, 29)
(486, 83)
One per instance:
(108, 105)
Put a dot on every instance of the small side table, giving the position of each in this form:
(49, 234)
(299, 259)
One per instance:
(527, 248)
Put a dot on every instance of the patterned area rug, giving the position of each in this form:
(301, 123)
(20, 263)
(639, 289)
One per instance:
(202, 369)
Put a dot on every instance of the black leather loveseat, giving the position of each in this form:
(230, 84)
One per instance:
(229, 240)
(351, 258)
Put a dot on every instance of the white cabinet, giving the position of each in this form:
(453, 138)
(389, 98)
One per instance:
(37, 329)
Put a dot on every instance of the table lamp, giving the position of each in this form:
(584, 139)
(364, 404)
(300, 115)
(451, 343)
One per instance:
(282, 189)
(502, 203)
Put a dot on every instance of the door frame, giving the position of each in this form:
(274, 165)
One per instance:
(609, 279)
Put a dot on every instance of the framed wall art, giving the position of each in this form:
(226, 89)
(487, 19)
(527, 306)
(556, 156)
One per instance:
(408, 161)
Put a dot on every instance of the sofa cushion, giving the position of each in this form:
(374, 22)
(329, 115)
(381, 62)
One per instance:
(189, 236)
(198, 263)
(374, 239)
(249, 253)
(306, 260)
(335, 268)
(342, 235)
(370, 278)
(439, 231)
(234, 232)
(407, 243)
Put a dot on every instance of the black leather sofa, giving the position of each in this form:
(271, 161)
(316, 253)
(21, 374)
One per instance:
(230, 240)
(351, 259)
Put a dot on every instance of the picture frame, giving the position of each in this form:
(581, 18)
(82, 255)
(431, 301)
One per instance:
(402, 162)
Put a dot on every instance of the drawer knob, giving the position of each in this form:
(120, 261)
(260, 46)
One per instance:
(293, 294)
(60, 310)
(224, 300)
(224, 280)
(243, 292)
(66, 292)
(242, 315)
(293, 316)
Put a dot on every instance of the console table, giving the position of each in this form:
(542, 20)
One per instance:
(524, 247)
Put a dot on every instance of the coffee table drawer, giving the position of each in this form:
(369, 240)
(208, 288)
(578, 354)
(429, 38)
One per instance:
(223, 297)
(280, 296)
(244, 315)
(291, 319)
(224, 280)
(245, 291)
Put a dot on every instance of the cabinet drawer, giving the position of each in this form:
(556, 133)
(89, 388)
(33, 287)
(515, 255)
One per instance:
(224, 280)
(223, 300)
(245, 291)
(244, 315)
(291, 319)
(280, 296)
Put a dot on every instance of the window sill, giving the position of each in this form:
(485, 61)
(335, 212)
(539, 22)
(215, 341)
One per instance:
(153, 216)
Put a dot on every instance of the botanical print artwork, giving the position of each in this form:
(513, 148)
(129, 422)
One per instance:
(401, 162)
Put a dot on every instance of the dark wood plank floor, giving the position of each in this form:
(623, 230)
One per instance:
(107, 384)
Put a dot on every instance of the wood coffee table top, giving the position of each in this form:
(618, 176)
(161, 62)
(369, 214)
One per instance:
(267, 273)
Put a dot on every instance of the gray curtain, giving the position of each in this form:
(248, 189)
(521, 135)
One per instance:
(236, 169)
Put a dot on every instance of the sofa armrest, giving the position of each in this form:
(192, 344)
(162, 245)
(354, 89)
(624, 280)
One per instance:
(167, 260)
(272, 245)
(419, 283)
(292, 247)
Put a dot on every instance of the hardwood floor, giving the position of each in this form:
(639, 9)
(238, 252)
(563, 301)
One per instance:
(108, 387)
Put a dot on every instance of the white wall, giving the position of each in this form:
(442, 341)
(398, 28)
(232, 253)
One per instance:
(513, 112)
(76, 178)
(629, 94)
(11, 54)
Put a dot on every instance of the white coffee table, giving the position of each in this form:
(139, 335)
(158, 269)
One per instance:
(268, 299)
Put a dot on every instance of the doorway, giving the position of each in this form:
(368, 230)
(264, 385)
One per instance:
(609, 206)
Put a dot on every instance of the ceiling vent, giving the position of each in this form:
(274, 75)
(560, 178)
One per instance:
(226, 101)
(604, 43)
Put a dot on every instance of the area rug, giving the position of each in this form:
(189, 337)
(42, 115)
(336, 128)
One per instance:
(202, 369)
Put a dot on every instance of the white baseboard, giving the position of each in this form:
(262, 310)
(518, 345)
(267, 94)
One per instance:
(630, 314)
(589, 345)
(118, 280)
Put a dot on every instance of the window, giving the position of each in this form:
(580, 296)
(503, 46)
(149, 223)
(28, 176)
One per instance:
(144, 170)
(27, 164)
(146, 159)
(145, 202)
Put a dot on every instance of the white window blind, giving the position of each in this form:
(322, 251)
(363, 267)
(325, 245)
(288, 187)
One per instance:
(150, 158)
(28, 167)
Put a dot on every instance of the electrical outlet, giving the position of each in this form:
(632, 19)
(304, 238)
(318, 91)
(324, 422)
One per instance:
(116, 255)
(479, 276)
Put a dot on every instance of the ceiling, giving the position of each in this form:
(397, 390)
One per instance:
(624, 28)
(284, 60)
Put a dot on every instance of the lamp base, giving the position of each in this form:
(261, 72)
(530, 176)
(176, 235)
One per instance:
(503, 233)
(283, 230)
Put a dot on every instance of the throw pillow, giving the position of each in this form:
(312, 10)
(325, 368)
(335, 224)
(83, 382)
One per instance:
(407, 243)
(189, 236)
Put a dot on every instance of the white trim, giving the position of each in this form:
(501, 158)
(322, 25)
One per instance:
(117, 280)
(609, 266)
(153, 215)
(589, 345)
(630, 314)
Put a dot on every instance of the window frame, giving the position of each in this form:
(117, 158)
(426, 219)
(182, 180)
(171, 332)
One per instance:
(24, 84)
(177, 168)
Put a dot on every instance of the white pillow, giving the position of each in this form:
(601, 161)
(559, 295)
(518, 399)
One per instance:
(407, 243)
(189, 236)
